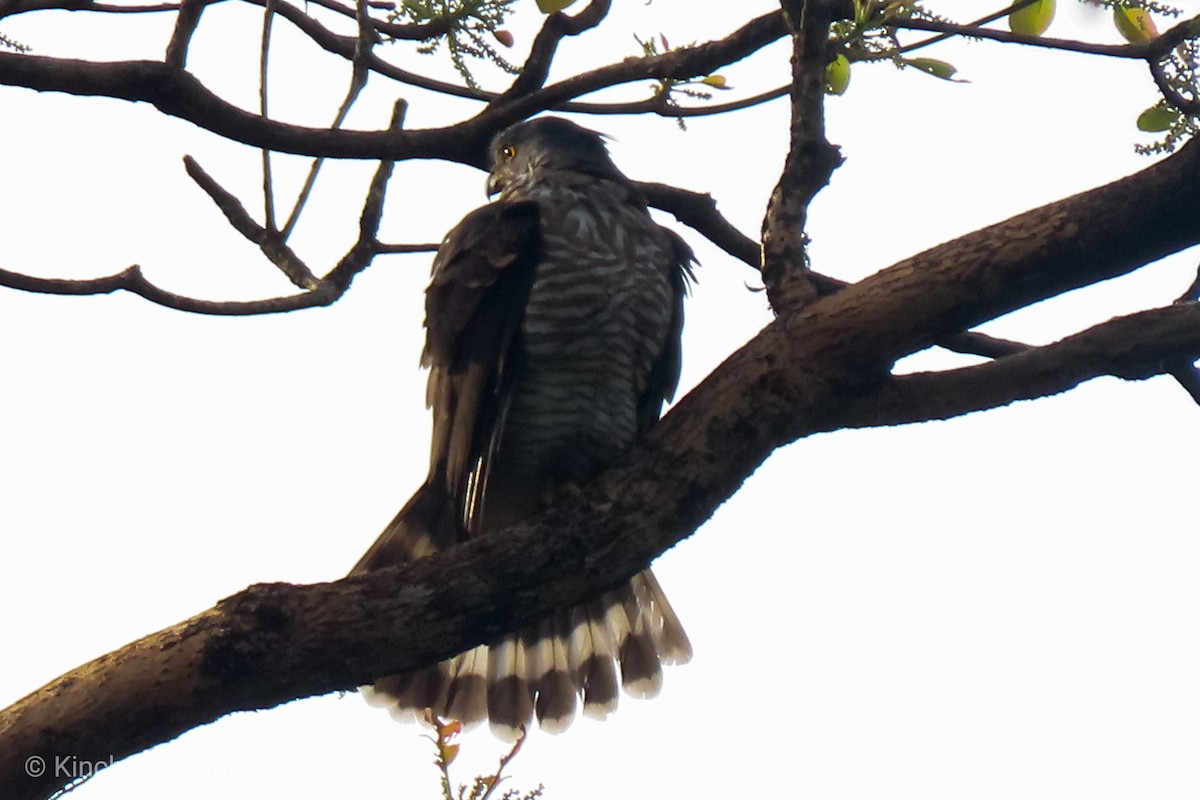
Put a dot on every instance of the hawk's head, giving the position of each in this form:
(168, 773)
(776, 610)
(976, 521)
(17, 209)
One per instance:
(545, 144)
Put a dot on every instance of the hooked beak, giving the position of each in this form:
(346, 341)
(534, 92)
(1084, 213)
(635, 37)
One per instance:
(495, 184)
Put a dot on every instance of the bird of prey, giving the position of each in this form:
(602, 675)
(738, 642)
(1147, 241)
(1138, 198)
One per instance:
(552, 340)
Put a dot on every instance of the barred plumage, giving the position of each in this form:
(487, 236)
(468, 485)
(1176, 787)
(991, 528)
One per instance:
(553, 323)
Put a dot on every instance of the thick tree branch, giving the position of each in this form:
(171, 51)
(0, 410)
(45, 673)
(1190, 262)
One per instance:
(810, 161)
(1135, 347)
(818, 370)
(179, 94)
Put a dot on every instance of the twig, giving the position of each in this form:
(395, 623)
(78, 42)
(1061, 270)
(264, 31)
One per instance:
(263, 62)
(984, 20)
(413, 31)
(360, 255)
(1192, 293)
(687, 62)
(699, 212)
(185, 26)
(428, 247)
(270, 242)
(1188, 376)
(358, 79)
(536, 68)
(132, 280)
(1169, 92)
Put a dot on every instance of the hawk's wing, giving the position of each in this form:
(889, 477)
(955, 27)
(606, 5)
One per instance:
(473, 311)
(664, 375)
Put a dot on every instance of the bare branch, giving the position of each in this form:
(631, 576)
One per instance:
(360, 255)
(15, 7)
(185, 27)
(1192, 293)
(984, 20)
(132, 280)
(358, 79)
(699, 212)
(1169, 92)
(1138, 51)
(536, 68)
(1188, 376)
(810, 161)
(427, 247)
(264, 51)
(687, 62)
(1134, 347)
(270, 242)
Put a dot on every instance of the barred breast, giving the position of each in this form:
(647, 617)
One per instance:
(597, 318)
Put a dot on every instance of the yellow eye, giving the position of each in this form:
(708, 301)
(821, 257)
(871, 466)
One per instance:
(508, 151)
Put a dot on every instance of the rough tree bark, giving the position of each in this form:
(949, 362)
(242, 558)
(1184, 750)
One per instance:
(822, 369)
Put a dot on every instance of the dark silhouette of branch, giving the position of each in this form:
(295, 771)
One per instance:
(180, 94)
(536, 68)
(699, 212)
(270, 242)
(687, 62)
(1192, 293)
(132, 280)
(1187, 375)
(185, 27)
(1149, 51)
(810, 162)
(14, 7)
(803, 374)
(1170, 93)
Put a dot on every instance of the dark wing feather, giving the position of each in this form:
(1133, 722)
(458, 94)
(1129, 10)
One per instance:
(473, 311)
(664, 375)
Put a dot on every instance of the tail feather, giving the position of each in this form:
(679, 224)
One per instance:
(669, 638)
(550, 669)
(552, 676)
(509, 697)
(467, 698)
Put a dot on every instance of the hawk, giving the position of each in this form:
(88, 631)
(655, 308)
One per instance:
(552, 340)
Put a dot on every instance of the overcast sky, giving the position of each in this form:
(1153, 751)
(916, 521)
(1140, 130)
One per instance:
(1003, 605)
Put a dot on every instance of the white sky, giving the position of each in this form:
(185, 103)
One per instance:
(1004, 605)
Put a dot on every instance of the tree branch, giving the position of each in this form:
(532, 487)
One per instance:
(810, 161)
(132, 280)
(1134, 347)
(180, 94)
(816, 371)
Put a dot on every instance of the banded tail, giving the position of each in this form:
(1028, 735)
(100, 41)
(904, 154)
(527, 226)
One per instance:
(574, 659)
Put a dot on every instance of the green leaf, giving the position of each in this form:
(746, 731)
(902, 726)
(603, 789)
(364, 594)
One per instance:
(938, 69)
(552, 6)
(1033, 19)
(837, 75)
(1157, 118)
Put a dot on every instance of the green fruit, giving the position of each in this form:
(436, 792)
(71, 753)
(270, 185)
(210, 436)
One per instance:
(1135, 24)
(1033, 19)
(837, 75)
(551, 6)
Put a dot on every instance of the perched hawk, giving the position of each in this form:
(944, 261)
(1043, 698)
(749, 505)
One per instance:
(553, 323)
